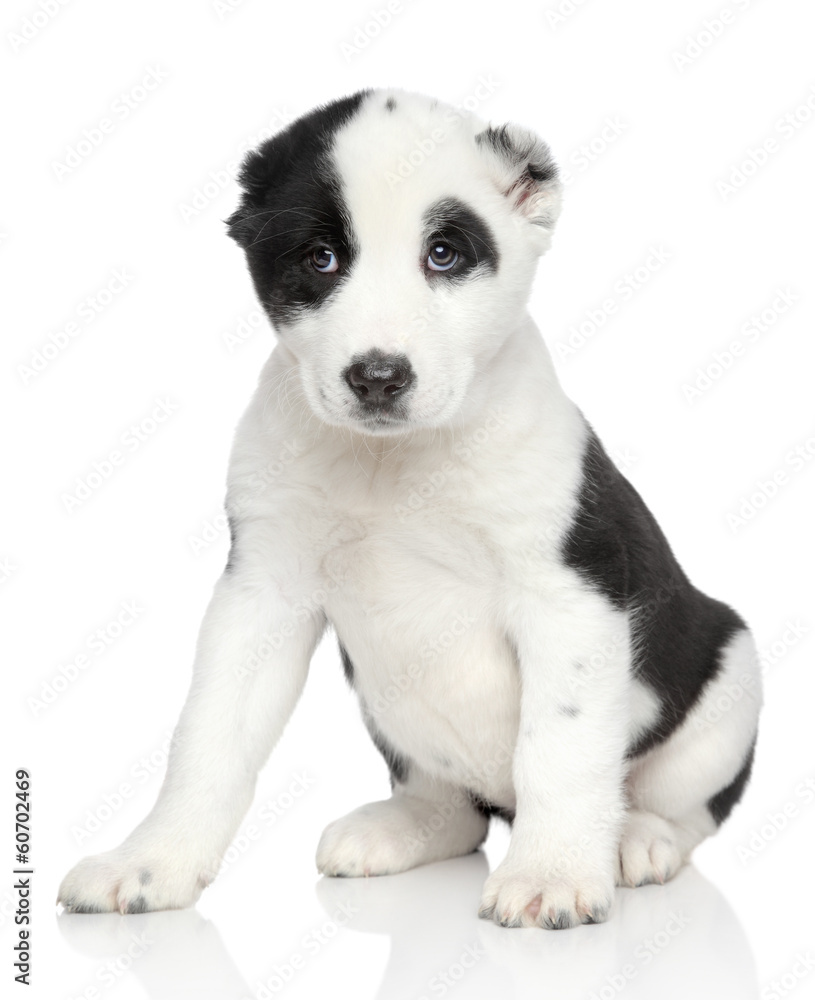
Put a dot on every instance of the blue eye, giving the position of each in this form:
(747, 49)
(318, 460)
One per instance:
(324, 260)
(441, 257)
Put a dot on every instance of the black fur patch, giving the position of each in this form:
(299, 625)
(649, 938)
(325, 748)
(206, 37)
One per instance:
(616, 544)
(489, 809)
(233, 537)
(292, 205)
(722, 803)
(390, 104)
(347, 665)
(398, 765)
(452, 222)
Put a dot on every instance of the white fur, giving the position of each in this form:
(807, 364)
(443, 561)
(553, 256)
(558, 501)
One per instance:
(453, 596)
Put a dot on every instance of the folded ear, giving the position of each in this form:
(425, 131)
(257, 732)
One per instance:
(526, 174)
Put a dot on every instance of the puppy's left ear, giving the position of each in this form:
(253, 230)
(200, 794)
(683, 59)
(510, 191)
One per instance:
(525, 172)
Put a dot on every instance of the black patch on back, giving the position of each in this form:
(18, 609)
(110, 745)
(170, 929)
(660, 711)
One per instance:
(616, 544)
(390, 104)
(489, 809)
(451, 221)
(292, 204)
(721, 804)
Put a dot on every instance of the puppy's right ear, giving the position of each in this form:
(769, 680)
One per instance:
(256, 177)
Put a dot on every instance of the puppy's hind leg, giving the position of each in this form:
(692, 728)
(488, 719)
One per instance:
(424, 820)
(684, 788)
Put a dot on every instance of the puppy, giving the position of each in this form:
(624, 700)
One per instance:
(410, 473)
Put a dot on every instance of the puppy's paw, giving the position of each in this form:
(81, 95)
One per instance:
(133, 882)
(527, 896)
(649, 850)
(371, 840)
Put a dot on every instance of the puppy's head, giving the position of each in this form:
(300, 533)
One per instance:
(392, 240)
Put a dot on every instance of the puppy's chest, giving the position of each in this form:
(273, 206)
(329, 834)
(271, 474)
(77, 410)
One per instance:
(414, 601)
(386, 536)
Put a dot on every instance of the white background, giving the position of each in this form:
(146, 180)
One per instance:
(728, 926)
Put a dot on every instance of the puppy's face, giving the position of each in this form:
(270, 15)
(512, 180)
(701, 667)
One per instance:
(392, 241)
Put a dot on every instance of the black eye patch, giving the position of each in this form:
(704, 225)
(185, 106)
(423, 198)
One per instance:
(454, 224)
(301, 219)
(293, 206)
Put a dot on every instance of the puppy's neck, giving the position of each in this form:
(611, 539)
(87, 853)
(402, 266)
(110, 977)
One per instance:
(519, 379)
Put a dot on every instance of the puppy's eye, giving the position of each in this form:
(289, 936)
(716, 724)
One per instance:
(324, 260)
(441, 257)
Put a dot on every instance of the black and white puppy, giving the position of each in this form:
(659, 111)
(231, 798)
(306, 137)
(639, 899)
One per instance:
(518, 632)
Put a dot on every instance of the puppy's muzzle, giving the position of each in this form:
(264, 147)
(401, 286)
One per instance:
(380, 381)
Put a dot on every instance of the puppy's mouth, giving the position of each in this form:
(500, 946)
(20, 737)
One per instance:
(367, 417)
(393, 420)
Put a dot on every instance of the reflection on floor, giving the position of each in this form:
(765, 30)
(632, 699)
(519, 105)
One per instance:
(675, 941)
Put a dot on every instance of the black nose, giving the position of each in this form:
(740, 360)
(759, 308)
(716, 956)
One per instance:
(380, 379)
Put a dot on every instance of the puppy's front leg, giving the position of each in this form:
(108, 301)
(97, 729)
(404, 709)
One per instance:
(251, 664)
(573, 654)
